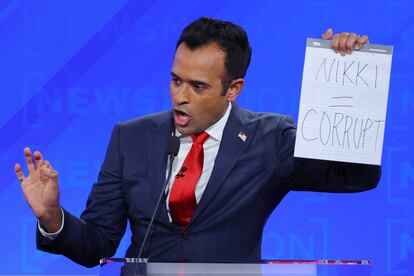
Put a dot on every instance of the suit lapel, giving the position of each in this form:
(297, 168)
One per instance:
(158, 140)
(230, 148)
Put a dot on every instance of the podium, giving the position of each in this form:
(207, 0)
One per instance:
(141, 267)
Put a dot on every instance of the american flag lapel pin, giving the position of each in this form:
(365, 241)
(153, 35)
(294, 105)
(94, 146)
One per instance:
(242, 136)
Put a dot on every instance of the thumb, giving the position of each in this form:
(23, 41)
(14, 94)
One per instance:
(327, 34)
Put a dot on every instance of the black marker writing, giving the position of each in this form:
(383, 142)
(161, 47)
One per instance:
(340, 130)
(354, 73)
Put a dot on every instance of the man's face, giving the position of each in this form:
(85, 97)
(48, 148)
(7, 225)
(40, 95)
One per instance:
(196, 87)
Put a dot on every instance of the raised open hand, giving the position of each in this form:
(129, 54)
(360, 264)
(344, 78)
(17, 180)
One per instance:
(41, 190)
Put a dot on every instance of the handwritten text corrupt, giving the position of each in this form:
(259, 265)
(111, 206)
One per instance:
(341, 130)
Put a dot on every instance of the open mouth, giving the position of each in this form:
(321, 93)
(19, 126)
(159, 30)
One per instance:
(181, 118)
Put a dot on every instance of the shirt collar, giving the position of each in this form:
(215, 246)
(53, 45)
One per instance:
(215, 131)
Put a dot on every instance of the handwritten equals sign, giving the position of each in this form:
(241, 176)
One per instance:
(340, 98)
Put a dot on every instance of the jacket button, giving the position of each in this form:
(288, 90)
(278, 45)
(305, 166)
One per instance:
(186, 235)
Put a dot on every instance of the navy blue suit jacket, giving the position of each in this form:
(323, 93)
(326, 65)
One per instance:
(248, 181)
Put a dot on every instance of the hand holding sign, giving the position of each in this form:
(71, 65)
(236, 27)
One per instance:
(345, 42)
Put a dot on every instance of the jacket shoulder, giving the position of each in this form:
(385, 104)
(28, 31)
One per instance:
(267, 118)
(148, 121)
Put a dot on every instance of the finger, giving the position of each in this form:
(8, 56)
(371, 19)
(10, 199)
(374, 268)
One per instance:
(342, 41)
(29, 159)
(361, 41)
(47, 164)
(38, 158)
(349, 45)
(19, 172)
(335, 43)
(48, 170)
(49, 173)
(327, 34)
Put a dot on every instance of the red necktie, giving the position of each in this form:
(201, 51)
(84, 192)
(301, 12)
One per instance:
(182, 197)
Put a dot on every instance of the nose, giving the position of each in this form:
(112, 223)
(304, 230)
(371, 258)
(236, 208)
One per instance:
(181, 94)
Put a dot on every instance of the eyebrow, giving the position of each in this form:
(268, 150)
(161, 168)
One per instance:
(192, 82)
(175, 76)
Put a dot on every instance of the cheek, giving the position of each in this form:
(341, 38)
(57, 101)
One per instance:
(173, 93)
(212, 109)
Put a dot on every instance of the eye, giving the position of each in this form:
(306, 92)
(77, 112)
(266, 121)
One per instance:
(199, 86)
(175, 80)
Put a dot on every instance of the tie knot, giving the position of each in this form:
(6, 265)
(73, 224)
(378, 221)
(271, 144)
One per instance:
(200, 138)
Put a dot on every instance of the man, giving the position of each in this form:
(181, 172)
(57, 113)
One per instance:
(233, 167)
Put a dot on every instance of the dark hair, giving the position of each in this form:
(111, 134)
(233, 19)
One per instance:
(230, 37)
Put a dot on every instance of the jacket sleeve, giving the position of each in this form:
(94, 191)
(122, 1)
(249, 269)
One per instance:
(304, 174)
(99, 230)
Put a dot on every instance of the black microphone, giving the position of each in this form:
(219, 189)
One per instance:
(173, 148)
(181, 172)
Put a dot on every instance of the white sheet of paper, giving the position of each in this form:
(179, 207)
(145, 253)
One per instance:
(343, 103)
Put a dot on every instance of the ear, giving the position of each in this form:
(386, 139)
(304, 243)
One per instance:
(234, 89)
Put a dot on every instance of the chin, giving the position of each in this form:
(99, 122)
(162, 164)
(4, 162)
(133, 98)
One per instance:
(187, 130)
(183, 130)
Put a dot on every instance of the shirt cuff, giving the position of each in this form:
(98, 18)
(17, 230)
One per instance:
(51, 236)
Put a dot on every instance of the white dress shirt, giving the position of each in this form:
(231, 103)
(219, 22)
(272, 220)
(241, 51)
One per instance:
(211, 147)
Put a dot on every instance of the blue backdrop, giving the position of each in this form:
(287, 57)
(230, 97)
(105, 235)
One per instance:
(71, 69)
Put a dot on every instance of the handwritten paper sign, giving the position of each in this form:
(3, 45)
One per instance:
(343, 103)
